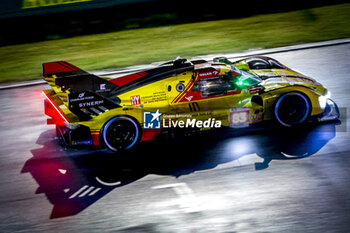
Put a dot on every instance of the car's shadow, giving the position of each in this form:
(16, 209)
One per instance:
(74, 179)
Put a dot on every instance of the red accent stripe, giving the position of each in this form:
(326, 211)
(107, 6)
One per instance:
(121, 81)
(58, 67)
(182, 94)
(55, 107)
(148, 134)
(95, 139)
(186, 91)
(188, 87)
(234, 92)
(73, 68)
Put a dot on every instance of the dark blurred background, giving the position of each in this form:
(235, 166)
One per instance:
(24, 21)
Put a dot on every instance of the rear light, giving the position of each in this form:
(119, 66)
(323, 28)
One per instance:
(53, 111)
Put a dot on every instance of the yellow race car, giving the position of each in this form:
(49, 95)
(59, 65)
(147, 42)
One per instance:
(197, 95)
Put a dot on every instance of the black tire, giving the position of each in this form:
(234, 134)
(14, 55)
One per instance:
(121, 133)
(292, 109)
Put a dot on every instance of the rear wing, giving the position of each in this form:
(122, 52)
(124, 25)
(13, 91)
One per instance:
(58, 67)
(66, 77)
(84, 94)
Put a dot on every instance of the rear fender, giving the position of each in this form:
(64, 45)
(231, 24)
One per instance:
(99, 121)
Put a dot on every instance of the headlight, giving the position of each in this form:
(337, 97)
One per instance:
(323, 99)
(331, 111)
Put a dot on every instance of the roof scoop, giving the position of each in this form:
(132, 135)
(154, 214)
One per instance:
(179, 62)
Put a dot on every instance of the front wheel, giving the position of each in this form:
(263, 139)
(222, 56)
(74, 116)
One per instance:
(292, 109)
(121, 133)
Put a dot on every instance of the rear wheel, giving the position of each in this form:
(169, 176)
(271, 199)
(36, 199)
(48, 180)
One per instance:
(292, 109)
(121, 133)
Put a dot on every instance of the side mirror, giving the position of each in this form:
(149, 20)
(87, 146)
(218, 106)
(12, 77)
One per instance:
(222, 60)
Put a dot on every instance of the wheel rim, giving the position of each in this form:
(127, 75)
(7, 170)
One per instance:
(120, 133)
(292, 109)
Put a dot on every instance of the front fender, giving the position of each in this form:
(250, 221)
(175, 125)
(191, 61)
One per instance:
(270, 98)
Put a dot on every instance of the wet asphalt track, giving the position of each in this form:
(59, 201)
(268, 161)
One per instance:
(227, 182)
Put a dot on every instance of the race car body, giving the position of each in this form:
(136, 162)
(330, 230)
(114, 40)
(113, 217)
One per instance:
(180, 94)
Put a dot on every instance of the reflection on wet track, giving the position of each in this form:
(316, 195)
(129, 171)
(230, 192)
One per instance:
(267, 179)
(73, 182)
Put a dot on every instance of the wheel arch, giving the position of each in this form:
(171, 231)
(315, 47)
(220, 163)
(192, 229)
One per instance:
(138, 124)
(271, 97)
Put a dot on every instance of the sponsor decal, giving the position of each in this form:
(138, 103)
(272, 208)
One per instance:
(81, 97)
(155, 97)
(135, 100)
(151, 120)
(91, 104)
(103, 88)
(208, 74)
(189, 98)
(255, 90)
(257, 118)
